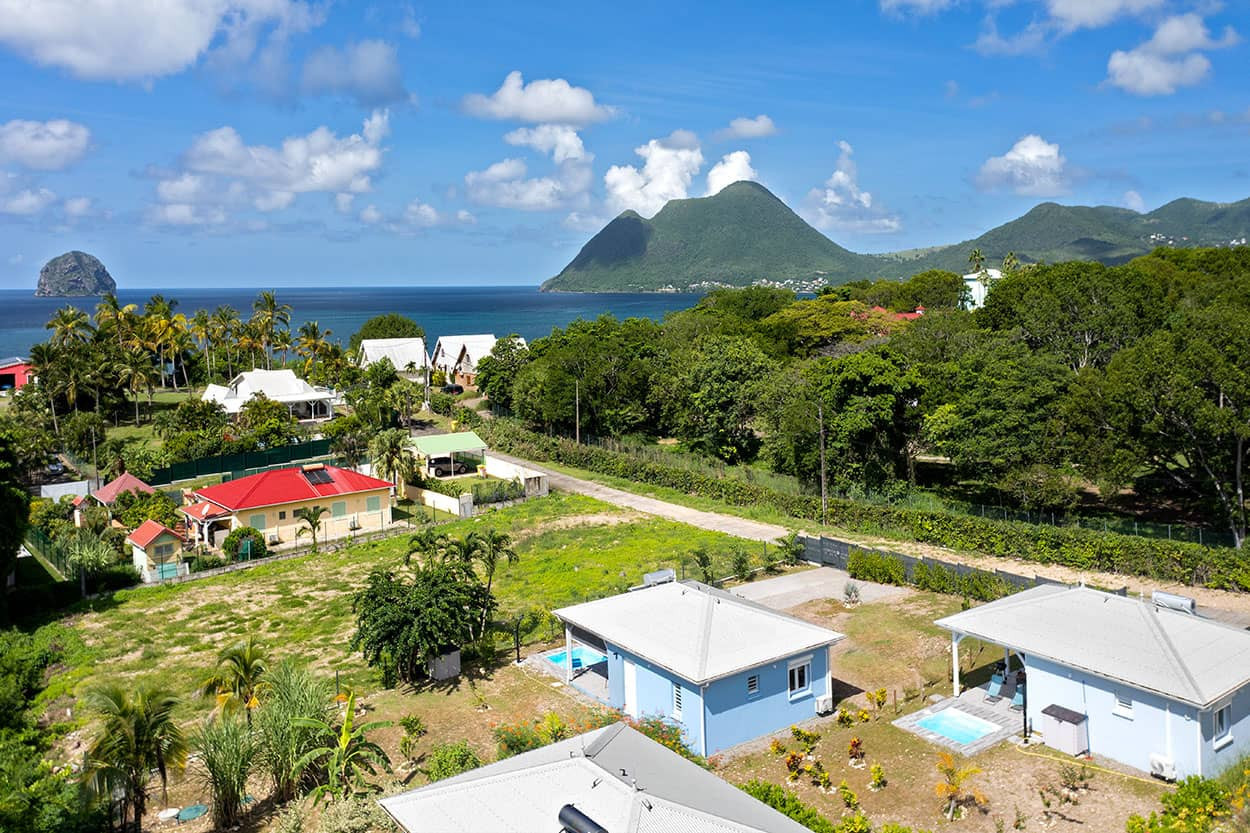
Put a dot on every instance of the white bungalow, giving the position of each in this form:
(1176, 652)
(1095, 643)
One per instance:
(457, 356)
(403, 353)
(303, 400)
(978, 286)
(1143, 683)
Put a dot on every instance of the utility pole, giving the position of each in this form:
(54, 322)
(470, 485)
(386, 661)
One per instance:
(824, 495)
(577, 411)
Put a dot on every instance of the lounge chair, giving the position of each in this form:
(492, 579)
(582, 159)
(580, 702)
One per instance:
(994, 691)
(1017, 699)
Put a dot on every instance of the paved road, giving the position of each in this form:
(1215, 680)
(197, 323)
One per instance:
(794, 589)
(729, 524)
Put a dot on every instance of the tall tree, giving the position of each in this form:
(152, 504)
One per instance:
(392, 454)
(14, 508)
(237, 680)
(270, 316)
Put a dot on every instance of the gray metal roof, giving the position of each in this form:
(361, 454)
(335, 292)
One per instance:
(1123, 639)
(697, 632)
(622, 779)
(400, 351)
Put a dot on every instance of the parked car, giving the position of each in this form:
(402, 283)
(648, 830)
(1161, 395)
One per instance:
(446, 467)
(55, 467)
(453, 389)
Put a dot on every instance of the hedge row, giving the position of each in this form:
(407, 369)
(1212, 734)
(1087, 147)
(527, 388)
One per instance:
(1080, 549)
(884, 568)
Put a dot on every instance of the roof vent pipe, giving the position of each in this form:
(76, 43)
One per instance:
(574, 820)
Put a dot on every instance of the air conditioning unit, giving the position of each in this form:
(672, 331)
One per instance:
(824, 705)
(354, 524)
(1162, 767)
(274, 539)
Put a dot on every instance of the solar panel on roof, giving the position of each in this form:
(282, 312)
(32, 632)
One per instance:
(318, 477)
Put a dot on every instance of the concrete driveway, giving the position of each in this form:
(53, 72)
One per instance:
(785, 592)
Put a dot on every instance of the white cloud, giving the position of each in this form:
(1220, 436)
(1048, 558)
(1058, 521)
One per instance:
(544, 100)
(77, 206)
(367, 72)
(733, 167)
(16, 259)
(1133, 200)
(343, 202)
(920, 7)
(561, 141)
(128, 40)
(27, 202)
(466, 217)
(421, 214)
(183, 188)
(273, 200)
(43, 145)
(1032, 38)
(1033, 167)
(369, 214)
(842, 204)
(669, 166)
(504, 184)
(1090, 14)
(1170, 59)
(745, 128)
(185, 214)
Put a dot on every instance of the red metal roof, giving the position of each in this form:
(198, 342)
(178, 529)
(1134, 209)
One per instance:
(127, 482)
(147, 532)
(204, 510)
(269, 488)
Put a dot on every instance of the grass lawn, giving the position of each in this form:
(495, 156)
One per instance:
(161, 401)
(571, 548)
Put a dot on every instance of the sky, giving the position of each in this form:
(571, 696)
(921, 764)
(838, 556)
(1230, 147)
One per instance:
(306, 143)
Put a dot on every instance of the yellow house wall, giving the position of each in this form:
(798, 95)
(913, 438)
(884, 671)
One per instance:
(150, 552)
(282, 520)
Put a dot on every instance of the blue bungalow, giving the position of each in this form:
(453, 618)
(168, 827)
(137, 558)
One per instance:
(1154, 687)
(725, 669)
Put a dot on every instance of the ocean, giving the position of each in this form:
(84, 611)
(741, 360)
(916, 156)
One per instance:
(441, 310)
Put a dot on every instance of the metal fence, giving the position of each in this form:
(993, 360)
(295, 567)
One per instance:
(243, 462)
(836, 553)
(45, 549)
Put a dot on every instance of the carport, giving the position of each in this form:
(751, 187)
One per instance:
(467, 444)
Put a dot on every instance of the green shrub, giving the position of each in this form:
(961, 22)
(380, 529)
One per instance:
(742, 564)
(448, 759)
(442, 403)
(1079, 549)
(869, 565)
(515, 738)
(234, 543)
(466, 417)
(788, 804)
(355, 815)
(204, 562)
(1197, 806)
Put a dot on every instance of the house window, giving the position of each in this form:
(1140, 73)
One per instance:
(1223, 726)
(338, 509)
(373, 504)
(800, 677)
(282, 514)
(257, 522)
(1123, 706)
(676, 701)
(753, 684)
(163, 550)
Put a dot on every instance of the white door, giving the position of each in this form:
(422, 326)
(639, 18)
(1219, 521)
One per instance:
(631, 689)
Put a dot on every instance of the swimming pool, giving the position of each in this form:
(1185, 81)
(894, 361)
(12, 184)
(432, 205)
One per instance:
(957, 725)
(582, 657)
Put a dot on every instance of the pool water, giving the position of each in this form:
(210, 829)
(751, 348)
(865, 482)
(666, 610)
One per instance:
(958, 726)
(582, 657)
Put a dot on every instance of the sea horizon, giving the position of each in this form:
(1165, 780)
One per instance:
(442, 310)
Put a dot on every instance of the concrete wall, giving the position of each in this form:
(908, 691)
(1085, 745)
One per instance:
(355, 510)
(461, 507)
(734, 716)
(1155, 726)
(535, 482)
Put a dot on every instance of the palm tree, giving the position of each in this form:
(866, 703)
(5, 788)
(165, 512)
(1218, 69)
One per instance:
(393, 458)
(282, 342)
(491, 547)
(226, 748)
(239, 677)
(112, 314)
(347, 756)
(200, 326)
(428, 543)
(1010, 263)
(136, 736)
(134, 372)
(976, 260)
(951, 788)
(269, 315)
(225, 328)
(70, 327)
(312, 517)
(463, 550)
(43, 360)
(312, 342)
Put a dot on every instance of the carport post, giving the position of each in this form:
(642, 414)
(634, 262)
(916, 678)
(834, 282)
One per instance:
(568, 655)
(956, 638)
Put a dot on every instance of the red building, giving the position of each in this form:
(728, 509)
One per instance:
(15, 372)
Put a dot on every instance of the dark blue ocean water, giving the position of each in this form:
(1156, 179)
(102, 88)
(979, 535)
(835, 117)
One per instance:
(441, 310)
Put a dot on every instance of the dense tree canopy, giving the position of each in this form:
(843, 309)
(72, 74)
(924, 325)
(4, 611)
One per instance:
(387, 325)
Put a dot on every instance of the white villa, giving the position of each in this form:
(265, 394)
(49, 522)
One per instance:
(457, 356)
(978, 285)
(304, 401)
(403, 353)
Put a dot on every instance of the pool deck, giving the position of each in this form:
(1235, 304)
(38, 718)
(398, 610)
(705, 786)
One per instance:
(591, 680)
(972, 702)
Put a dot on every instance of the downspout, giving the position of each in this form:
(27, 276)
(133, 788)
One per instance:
(703, 720)
(1198, 740)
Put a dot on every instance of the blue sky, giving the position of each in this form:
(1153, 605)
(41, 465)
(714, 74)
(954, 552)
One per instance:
(283, 142)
